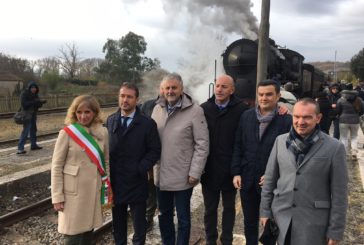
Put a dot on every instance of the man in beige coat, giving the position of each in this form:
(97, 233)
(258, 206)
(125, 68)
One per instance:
(185, 146)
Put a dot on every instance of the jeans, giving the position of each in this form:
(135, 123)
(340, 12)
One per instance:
(29, 128)
(167, 201)
(120, 223)
(211, 201)
(353, 129)
(250, 201)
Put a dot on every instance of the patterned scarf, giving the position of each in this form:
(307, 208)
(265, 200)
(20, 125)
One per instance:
(299, 146)
(264, 120)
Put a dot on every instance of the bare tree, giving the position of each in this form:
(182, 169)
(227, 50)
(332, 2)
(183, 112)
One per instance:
(88, 68)
(48, 65)
(70, 59)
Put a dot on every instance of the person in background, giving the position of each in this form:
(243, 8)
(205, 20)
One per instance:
(185, 146)
(334, 95)
(134, 148)
(360, 89)
(30, 102)
(257, 130)
(349, 107)
(147, 109)
(325, 108)
(222, 112)
(76, 180)
(305, 186)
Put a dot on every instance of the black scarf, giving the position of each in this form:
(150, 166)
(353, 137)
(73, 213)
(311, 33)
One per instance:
(299, 146)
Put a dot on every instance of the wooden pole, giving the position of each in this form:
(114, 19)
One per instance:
(263, 46)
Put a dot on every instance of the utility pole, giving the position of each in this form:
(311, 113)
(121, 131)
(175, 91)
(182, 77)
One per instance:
(263, 46)
(335, 77)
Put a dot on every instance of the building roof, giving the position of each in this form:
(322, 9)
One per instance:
(9, 77)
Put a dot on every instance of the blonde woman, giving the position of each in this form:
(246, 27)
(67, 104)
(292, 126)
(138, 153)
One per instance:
(78, 176)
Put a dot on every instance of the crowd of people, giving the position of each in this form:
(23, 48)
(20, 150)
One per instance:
(287, 169)
(342, 106)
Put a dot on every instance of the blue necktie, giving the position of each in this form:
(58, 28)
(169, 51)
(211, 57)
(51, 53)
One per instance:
(125, 123)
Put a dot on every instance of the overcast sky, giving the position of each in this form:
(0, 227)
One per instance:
(37, 28)
(185, 35)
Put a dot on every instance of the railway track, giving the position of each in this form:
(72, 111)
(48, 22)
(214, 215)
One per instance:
(39, 137)
(50, 111)
(39, 207)
(46, 204)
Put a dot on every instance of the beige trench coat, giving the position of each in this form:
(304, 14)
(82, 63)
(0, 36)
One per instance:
(76, 181)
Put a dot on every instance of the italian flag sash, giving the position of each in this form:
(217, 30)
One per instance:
(93, 151)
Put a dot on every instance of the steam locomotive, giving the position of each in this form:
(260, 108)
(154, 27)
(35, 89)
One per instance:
(285, 65)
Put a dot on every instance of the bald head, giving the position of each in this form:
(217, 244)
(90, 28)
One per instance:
(226, 79)
(224, 88)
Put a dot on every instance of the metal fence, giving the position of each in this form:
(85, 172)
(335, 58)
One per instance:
(12, 104)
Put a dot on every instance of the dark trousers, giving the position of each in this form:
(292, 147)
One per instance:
(152, 201)
(167, 200)
(336, 128)
(120, 223)
(287, 240)
(250, 201)
(29, 128)
(85, 238)
(211, 201)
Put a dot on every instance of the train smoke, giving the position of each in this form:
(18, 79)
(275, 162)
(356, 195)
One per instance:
(209, 23)
(206, 26)
(231, 16)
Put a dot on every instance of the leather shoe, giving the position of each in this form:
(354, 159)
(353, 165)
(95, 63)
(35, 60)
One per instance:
(21, 152)
(37, 147)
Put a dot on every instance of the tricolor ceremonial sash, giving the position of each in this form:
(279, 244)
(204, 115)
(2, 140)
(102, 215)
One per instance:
(93, 151)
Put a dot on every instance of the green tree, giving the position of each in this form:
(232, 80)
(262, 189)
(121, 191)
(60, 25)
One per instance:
(51, 80)
(357, 65)
(125, 60)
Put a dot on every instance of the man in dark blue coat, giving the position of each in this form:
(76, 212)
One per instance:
(134, 149)
(254, 139)
(222, 112)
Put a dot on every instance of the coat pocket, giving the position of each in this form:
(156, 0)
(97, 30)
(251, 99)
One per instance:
(322, 204)
(70, 173)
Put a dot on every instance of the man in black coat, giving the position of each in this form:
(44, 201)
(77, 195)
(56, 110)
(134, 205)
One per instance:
(222, 112)
(30, 102)
(134, 148)
(258, 128)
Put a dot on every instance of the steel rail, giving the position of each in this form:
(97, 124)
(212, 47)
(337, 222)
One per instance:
(51, 111)
(25, 212)
(45, 204)
(11, 141)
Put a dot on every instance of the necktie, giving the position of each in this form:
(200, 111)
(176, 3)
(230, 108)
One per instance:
(125, 123)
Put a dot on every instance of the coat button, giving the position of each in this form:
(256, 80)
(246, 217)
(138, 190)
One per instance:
(298, 173)
(293, 205)
(295, 189)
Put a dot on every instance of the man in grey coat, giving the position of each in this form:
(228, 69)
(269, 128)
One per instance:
(305, 188)
(185, 146)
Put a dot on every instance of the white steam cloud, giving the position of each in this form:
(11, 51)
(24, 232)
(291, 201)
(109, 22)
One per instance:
(207, 24)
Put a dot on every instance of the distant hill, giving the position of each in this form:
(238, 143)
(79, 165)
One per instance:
(329, 66)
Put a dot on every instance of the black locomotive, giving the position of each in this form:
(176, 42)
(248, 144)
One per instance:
(284, 65)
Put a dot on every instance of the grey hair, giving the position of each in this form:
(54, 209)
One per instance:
(173, 76)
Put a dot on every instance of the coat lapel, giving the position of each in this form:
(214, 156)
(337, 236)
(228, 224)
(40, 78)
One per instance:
(312, 151)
